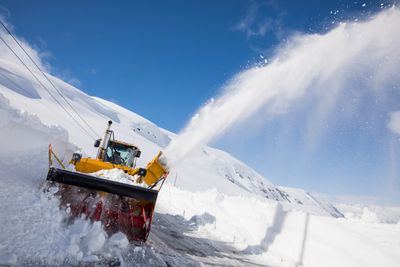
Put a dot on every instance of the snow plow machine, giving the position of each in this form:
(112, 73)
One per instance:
(120, 207)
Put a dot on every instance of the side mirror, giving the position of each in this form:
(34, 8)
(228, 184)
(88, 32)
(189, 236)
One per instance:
(142, 172)
(138, 153)
(97, 143)
(76, 157)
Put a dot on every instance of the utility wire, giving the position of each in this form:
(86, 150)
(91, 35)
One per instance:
(30, 94)
(47, 78)
(44, 87)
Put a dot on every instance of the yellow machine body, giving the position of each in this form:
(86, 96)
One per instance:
(89, 165)
(154, 170)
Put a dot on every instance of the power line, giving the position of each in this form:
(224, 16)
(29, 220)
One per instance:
(52, 84)
(30, 94)
(48, 91)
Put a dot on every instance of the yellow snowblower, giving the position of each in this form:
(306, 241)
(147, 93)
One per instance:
(123, 207)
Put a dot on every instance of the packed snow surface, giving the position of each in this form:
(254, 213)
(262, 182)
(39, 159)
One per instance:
(214, 209)
(117, 175)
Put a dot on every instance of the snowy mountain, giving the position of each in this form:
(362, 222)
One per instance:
(214, 209)
(205, 169)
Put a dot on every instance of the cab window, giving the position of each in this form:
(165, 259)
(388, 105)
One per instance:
(120, 154)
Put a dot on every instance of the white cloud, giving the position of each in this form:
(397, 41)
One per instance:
(394, 122)
(255, 24)
(247, 21)
(92, 71)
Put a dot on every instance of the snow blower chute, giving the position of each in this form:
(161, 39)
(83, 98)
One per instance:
(123, 207)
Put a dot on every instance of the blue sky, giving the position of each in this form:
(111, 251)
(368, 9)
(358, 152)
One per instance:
(169, 53)
(164, 59)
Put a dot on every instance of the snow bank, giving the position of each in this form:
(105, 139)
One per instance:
(269, 233)
(370, 213)
(33, 230)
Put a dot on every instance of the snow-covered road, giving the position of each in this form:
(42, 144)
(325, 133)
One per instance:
(174, 237)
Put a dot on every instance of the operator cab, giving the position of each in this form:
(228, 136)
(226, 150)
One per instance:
(121, 153)
(116, 152)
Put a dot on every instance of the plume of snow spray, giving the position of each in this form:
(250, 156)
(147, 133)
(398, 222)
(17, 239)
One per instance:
(320, 63)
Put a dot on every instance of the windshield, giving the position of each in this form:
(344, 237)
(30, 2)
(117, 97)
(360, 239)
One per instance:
(120, 154)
